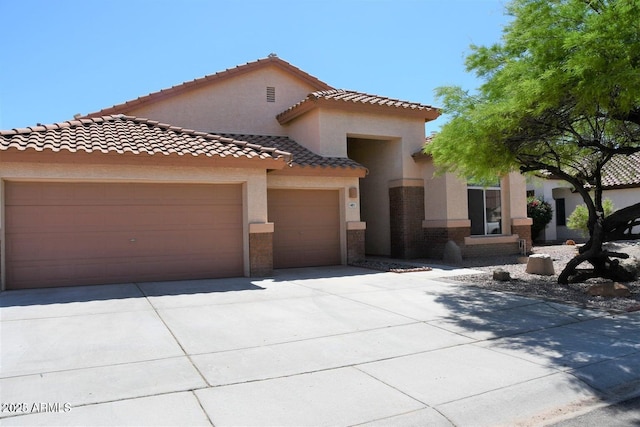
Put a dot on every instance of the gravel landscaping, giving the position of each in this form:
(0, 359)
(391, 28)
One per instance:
(531, 285)
(547, 287)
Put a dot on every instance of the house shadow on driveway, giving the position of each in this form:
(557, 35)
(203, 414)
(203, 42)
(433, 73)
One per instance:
(73, 294)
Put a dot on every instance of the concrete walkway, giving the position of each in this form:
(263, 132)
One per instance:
(320, 346)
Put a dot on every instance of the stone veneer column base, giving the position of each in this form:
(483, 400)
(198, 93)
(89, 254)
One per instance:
(355, 241)
(260, 250)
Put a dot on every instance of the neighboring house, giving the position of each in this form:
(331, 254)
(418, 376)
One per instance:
(257, 167)
(621, 184)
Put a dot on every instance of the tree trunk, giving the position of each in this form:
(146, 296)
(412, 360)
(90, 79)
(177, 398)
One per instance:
(602, 261)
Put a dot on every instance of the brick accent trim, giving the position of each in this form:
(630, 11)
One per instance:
(524, 232)
(260, 254)
(355, 245)
(494, 249)
(406, 206)
(437, 237)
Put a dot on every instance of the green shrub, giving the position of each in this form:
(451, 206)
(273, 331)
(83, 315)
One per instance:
(580, 217)
(541, 213)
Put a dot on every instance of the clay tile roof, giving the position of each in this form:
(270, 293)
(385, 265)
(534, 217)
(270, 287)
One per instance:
(302, 157)
(272, 60)
(122, 134)
(622, 171)
(346, 99)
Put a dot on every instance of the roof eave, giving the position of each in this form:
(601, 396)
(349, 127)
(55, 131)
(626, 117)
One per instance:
(307, 170)
(428, 114)
(65, 156)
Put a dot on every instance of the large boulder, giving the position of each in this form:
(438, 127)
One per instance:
(541, 264)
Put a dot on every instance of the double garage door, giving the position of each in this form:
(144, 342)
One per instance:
(64, 234)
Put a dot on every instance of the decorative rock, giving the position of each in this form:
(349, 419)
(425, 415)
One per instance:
(631, 265)
(501, 275)
(633, 308)
(609, 289)
(541, 264)
(452, 253)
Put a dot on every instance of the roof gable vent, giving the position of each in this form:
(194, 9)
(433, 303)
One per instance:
(271, 94)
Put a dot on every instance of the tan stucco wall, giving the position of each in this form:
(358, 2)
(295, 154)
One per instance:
(446, 202)
(254, 182)
(349, 207)
(445, 196)
(378, 157)
(236, 105)
(382, 143)
(518, 194)
(306, 131)
(325, 131)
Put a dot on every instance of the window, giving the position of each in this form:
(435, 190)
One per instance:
(561, 215)
(485, 209)
(271, 94)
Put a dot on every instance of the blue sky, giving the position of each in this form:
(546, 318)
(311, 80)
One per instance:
(62, 57)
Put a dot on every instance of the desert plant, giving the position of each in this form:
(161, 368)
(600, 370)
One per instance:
(579, 218)
(541, 213)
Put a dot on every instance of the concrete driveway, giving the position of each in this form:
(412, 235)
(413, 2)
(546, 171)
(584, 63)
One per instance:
(318, 346)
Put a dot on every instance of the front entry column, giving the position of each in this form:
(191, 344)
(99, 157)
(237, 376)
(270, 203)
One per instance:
(406, 208)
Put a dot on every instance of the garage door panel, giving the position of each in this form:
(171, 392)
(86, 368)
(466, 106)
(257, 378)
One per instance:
(60, 246)
(101, 194)
(58, 234)
(31, 275)
(34, 219)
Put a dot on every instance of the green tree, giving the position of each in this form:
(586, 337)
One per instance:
(560, 96)
(579, 218)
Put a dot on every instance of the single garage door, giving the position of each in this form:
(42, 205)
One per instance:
(66, 234)
(306, 227)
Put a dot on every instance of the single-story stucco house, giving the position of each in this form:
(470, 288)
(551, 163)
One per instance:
(620, 182)
(257, 167)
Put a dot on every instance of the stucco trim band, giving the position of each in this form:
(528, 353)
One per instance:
(490, 240)
(515, 222)
(446, 223)
(406, 182)
(297, 170)
(266, 227)
(356, 225)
